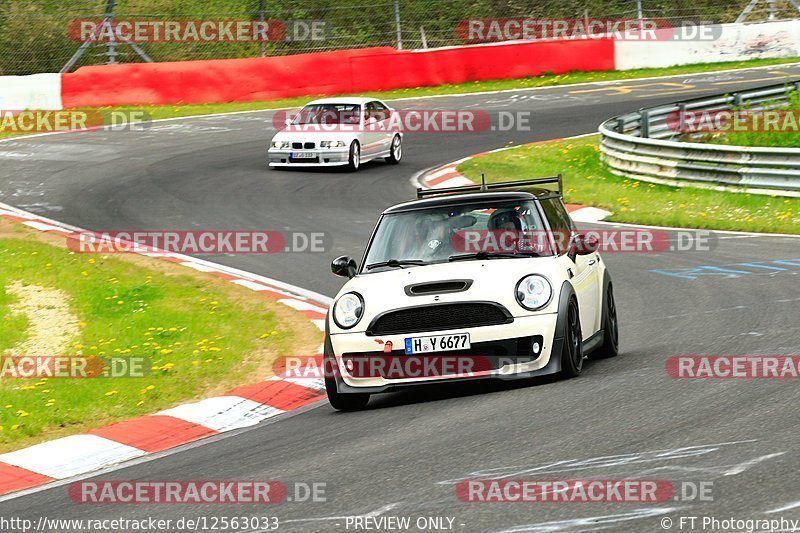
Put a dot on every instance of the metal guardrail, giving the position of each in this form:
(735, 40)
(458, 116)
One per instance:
(642, 145)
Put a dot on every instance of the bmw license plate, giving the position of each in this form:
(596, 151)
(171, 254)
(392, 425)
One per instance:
(303, 155)
(437, 343)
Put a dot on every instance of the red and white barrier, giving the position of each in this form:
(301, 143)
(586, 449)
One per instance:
(337, 72)
(37, 91)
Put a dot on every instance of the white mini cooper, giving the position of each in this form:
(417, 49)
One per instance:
(476, 282)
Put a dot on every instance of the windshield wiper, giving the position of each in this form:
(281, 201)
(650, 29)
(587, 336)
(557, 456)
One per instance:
(395, 263)
(490, 255)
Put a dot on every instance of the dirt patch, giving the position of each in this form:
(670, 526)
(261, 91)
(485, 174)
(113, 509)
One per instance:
(51, 323)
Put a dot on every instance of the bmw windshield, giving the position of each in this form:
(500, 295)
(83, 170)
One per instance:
(328, 114)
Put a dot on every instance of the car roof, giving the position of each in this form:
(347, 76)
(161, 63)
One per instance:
(471, 198)
(345, 100)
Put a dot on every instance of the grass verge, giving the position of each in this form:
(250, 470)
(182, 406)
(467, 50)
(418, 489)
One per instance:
(784, 134)
(547, 80)
(201, 336)
(588, 182)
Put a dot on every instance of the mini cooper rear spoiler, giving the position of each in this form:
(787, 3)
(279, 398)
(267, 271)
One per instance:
(485, 187)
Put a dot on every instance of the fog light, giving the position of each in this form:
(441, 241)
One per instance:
(537, 343)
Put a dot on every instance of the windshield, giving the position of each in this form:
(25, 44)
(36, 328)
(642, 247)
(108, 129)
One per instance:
(453, 232)
(329, 114)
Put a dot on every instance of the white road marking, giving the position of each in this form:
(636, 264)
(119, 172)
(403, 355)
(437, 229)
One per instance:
(300, 305)
(223, 413)
(787, 507)
(70, 456)
(591, 523)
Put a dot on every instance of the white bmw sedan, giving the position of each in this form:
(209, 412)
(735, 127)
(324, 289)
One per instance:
(338, 132)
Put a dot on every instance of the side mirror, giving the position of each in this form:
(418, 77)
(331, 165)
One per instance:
(585, 244)
(344, 266)
(287, 122)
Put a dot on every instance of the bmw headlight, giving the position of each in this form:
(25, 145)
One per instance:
(348, 310)
(331, 144)
(533, 292)
(280, 144)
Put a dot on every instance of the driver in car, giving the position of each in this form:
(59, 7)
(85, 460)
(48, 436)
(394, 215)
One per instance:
(507, 226)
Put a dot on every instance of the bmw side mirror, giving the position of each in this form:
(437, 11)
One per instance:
(344, 266)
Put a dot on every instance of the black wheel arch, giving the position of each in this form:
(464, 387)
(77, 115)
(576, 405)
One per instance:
(565, 295)
(606, 283)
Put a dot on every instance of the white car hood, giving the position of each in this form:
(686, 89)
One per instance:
(493, 280)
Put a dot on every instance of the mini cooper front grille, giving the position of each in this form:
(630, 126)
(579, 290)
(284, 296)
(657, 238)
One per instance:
(438, 317)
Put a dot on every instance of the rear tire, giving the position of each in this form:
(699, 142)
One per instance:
(354, 161)
(395, 151)
(572, 348)
(610, 346)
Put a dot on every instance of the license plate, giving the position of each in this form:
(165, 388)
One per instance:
(437, 343)
(303, 155)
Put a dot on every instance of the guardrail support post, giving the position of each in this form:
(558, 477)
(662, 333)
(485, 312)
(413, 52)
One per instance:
(644, 123)
(737, 100)
(397, 24)
(620, 127)
(681, 117)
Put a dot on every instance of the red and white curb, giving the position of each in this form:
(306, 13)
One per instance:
(238, 408)
(449, 176)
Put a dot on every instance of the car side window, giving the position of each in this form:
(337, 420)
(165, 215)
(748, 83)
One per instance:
(560, 223)
(369, 111)
(378, 110)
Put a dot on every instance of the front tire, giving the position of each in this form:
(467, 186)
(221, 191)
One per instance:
(354, 161)
(344, 402)
(572, 349)
(610, 347)
(395, 151)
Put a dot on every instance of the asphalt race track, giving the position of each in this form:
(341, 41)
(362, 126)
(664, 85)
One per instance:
(402, 456)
